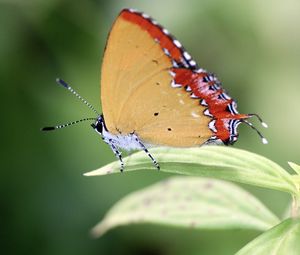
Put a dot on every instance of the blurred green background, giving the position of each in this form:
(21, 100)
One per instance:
(47, 206)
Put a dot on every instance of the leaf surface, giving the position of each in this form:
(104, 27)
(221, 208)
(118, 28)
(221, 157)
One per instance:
(210, 161)
(190, 202)
(282, 239)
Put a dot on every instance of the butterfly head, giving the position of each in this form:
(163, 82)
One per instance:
(99, 125)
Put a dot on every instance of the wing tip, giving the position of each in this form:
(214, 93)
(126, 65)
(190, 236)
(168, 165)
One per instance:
(130, 10)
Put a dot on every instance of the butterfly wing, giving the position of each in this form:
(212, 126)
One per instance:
(138, 89)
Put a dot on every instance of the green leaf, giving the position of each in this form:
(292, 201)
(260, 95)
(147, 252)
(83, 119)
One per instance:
(191, 202)
(211, 161)
(287, 211)
(282, 239)
(295, 167)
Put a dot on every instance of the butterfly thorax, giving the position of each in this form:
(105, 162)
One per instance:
(123, 141)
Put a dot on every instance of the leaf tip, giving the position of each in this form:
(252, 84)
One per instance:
(98, 230)
(295, 167)
(98, 172)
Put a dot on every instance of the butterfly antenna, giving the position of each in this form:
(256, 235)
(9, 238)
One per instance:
(65, 85)
(264, 140)
(264, 124)
(66, 125)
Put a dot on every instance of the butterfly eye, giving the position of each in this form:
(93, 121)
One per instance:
(99, 127)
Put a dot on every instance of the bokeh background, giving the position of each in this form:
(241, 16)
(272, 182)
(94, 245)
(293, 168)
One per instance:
(47, 206)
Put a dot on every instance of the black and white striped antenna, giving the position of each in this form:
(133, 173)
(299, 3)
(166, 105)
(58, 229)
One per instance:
(66, 125)
(65, 85)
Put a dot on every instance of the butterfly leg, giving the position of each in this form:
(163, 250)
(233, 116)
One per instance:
(117, 153)
(148, 153)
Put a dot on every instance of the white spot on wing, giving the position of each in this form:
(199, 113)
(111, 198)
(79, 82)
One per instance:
(232, 108)
(177, 43)
(195, 115)
(188, 89)
(146, 16)
(203, 102)
(187, 55)
(225, 96)
(200, 70)
(174, 64)
(165, 31)
(172, 73)
(211, 126)
(207, 113)
(193, 63)
(183, 61)
(174, 85)
(166, 52)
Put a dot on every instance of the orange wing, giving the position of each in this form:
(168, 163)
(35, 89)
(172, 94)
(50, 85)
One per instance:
(138, 90)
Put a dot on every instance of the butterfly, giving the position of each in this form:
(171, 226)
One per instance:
(154, 94)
